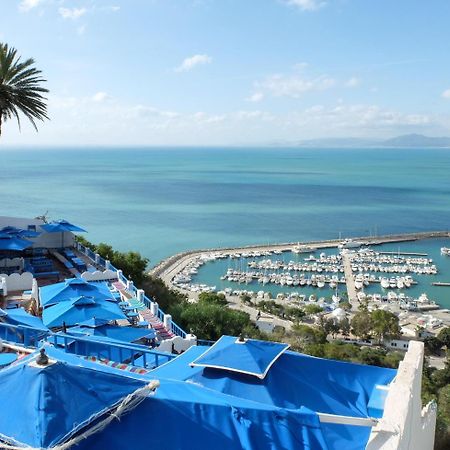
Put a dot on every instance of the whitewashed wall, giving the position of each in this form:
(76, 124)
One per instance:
(45, 240)
(405, 425)
(18, 282)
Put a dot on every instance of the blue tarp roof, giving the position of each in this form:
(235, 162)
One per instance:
(124, 334)
(13, 243)
(46, 404)
(293, 381)
(18, 316)
(79, 309)
(249, 356)
(195, 407)
(59, 226)
(18, 232)
(71, 288)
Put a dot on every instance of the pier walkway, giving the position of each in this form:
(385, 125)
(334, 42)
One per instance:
(350, 280)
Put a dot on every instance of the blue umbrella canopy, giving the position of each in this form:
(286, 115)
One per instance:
(79, 309)
(59, 226)
(250, 356)
(18, 232)
(71, 288)
(18, 316)
(101, 328)
(13, 243)
(57, 398)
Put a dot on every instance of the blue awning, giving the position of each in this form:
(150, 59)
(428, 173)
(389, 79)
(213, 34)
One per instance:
(18, 316)
(71, 288)
(48, 404)
(13, 243)
(61, 226)
(249, 356)
(79, 309)
(117, 333)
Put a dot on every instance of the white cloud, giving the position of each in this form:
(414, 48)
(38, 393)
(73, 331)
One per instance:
(446, 94)
(294, 86)
(256, 97)
(192, 61)
(27, 5)
(104, 120)
(306, 5)
(353, 82)
(71, 13)
(100, 96)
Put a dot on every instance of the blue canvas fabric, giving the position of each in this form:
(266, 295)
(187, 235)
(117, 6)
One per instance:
(79, 309)
(248, 356)
(13, 243)
(116, 333)
(183, 416)
(46, 404)
(71, 288)
(18, 316)
(294, 381)
(18, 232)
(206, 408)
(59, 226)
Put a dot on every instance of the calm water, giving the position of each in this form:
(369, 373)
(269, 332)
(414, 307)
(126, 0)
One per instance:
(162, 201)
(211, 272)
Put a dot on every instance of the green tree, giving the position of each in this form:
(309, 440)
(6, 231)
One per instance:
(433, 345)
(20, 88)
(312, 309)
(361, 324)
(211, 321)
(444, 337)
(384, 324)
(345, 326)
(213, 298)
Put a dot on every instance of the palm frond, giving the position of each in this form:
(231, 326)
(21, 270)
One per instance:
(21, 90)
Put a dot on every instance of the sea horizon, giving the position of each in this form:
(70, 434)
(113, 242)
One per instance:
(160, 203)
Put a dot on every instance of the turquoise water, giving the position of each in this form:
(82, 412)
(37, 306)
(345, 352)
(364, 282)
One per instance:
(162, 201)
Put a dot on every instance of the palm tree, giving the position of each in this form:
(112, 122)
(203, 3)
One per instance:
(20, 88)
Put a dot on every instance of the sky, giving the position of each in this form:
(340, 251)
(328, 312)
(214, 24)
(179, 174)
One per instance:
(232, 72)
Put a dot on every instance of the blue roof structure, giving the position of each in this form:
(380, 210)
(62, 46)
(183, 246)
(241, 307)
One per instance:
(295, 381)
(43, 411)
(116, 333)
(18, 316)
(247, 356)
(61, 226)
(18, 232)
(71, 288)
(13, 243)
(194, 406)
(78, 309)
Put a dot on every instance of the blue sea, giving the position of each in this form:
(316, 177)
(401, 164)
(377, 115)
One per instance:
(162, 201)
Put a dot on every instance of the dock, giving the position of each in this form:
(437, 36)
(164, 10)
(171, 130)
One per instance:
(441, 283)
(403, 253)
(174, 262)
(350, 280)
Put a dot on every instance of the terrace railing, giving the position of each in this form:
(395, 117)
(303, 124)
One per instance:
(96, 259)
(22, 335)
(127, 353)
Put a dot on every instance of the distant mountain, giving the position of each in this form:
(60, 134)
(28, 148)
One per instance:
(417, 140)
(405, 141)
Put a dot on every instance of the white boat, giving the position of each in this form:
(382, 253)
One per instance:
(445, 251)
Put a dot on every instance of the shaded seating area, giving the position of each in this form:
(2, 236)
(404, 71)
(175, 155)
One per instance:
(41, 267)
(76, 310)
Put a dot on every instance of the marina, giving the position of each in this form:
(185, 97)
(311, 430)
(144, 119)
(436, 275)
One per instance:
(405, 279)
